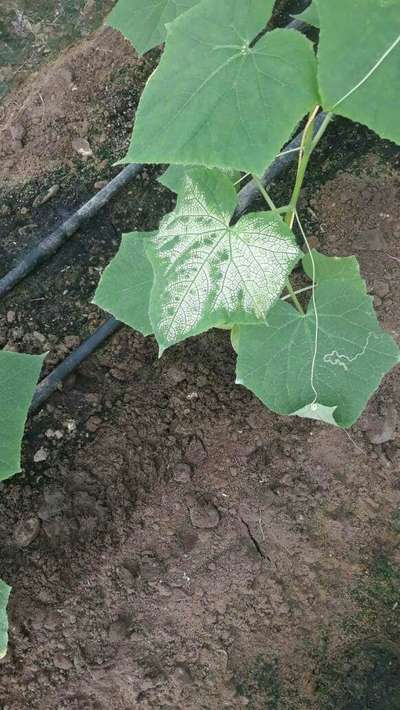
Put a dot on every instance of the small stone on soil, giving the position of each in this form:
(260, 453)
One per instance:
(381, 288)
(62, 662)
(42, 199)
(82, 147)
(175, 375)
(93, 423)
(204, 515)
(196, 453)
(182, 473)
(119, 629)
(387, 430)
(26, 531)
(41, 455)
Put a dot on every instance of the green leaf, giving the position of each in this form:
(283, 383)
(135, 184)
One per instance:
(124, 288)
(207, 273)
(218, 102)
(18, 377)
(174, 176)
(143, 22)
(275, 360)
(309, 15)
(359, 46)
(4, 596)
(344, 268)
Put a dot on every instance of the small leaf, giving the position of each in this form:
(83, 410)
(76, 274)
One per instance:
(174, 176)
(359, 62)
(208, 273)
(18, 377)
(344, 268)
(275, 360)
(4, 596)
(309, 15)
(214, 100)
(125, 286)
(143, 22)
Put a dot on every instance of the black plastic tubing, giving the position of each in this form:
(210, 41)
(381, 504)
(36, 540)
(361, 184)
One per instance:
(51, 244)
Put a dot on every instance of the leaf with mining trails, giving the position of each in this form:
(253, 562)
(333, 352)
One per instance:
(207, 273)
(218, 102)
(339, 268)
(143, 22)
(309, 15)
(359, 62)
(4, 595)
(353, 353)
(18, 377)
(125, 286)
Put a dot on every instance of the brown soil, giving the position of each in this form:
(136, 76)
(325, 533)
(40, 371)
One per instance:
(43, 121)
(191, 550)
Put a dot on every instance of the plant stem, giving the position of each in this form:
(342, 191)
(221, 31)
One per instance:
(300, 290)
(268, 199)
(293, 297)
(304, 157)
(324, 125)
(264, 193)
(308, 143)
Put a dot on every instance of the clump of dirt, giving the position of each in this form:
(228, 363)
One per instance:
(32, 32)
(196, 549)
(48, 122)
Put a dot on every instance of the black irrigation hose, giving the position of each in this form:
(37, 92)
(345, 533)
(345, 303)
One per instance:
(49, 245)
(52, 382)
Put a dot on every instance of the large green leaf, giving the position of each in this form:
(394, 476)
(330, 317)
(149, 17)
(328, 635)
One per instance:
(279, 362)
(216, 101)
(359, 46)
(208, 273)
(143, 22)
(124, 288)
(4, 595)
(18, 377)
(309, 15)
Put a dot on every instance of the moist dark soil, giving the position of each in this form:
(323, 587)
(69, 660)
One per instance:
(170, 542)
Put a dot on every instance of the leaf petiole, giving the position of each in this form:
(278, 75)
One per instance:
(293, 297)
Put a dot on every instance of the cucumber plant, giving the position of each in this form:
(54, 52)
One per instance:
(226, 97)
(18, 377)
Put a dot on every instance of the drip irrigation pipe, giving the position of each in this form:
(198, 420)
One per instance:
(52, 243)
(52, 382)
